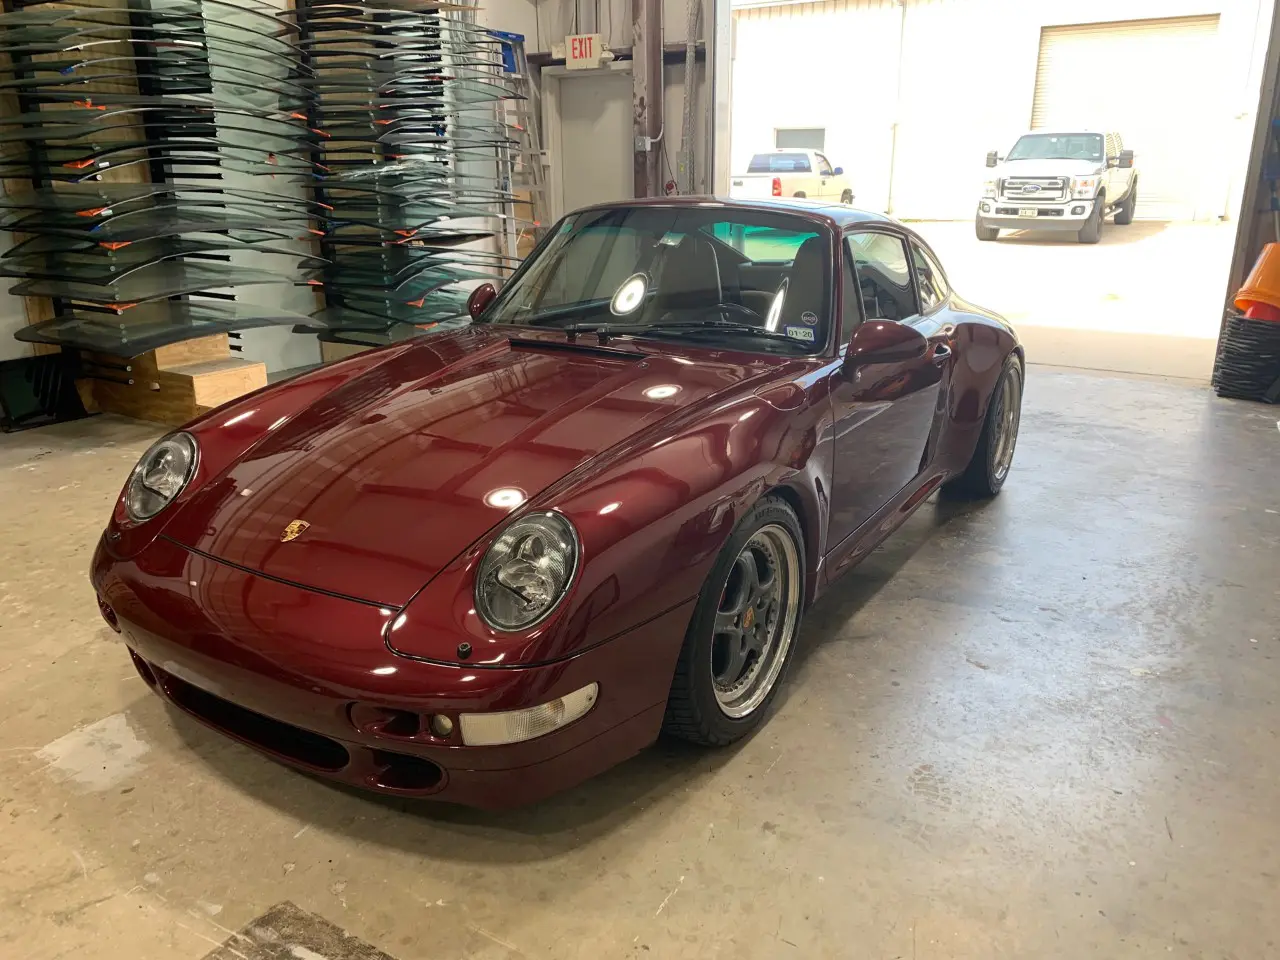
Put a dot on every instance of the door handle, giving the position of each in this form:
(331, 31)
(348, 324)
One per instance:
(941, 353)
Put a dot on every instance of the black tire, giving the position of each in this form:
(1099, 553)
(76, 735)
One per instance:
(846, 197)
(1091, 232)
(694, 708)
(799, 193)
(983, 231)
(1124, 216)
(984, 477)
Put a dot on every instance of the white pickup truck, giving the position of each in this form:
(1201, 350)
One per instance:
(1059, 181)
(792, 173)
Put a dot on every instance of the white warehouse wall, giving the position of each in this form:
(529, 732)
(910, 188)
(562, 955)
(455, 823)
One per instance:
(552, 20)
(967, 74)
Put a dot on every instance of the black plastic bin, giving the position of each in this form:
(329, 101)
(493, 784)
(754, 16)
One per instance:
(1247, 366)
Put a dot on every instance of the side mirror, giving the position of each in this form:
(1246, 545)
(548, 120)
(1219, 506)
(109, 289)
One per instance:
(838, 172)
(992, 160)
(480, 298)
(883, 341)
(1126, 159)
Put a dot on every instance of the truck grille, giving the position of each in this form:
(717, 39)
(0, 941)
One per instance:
(1034, 188)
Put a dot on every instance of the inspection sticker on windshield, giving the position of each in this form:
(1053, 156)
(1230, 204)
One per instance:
(800, 333)
(810, 318)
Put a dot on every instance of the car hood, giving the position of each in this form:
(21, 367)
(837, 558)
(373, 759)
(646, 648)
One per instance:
(1050, 168)
(402, 468)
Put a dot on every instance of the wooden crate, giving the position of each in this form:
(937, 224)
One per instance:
(173, 384)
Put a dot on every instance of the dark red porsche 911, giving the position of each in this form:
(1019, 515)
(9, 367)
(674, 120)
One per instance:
(486, 564)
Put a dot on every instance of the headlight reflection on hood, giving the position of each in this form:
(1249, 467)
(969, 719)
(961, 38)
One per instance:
(526, 571)
(160, 476)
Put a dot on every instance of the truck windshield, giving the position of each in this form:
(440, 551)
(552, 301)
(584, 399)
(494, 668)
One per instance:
(779, 163)
(1058, 146)
(750, 279)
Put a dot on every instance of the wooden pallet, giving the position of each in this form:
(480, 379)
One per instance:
(173, 384)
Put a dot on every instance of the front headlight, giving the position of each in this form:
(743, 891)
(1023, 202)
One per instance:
(160, 476)
(1084, 188)
(989, 189)
(527, 571)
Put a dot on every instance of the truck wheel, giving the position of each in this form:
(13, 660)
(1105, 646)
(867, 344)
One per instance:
(983, 231)
(799, 193)
(1091, 232)
(846, 197)
(1124, 216)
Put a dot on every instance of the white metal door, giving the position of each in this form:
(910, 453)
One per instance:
(595, 156)
(1153, 82)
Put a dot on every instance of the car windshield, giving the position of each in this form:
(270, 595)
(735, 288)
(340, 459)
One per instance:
(746, 279)
(1058, 146)
(779, 163)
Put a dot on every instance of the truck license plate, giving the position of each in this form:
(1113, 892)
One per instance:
(1027, 211)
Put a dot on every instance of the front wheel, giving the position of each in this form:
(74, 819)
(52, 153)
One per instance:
(986, 472)
(1091, 232)
(799, 193)
(846, 197)
(742, 634)
(983, 231)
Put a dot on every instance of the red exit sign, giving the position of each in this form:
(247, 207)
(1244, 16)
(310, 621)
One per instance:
(583, 51)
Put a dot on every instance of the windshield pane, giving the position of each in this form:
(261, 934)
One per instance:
(1058, 146)
(653, 267)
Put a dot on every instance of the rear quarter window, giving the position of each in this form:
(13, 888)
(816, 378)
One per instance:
(779, 163)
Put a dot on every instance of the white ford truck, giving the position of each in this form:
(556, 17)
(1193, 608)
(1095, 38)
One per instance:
(792, 173)
(1059, 181)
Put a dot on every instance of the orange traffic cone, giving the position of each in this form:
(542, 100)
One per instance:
(1259, 298)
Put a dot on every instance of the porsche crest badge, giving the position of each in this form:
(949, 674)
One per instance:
(294, 530)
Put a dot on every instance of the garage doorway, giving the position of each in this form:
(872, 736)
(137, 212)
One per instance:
(933, 89)
(588, 116)
(1134, 77)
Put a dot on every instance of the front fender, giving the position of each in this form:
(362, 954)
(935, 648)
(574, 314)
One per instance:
(651, 521)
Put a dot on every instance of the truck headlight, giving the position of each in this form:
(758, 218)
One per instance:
(527, 571)
(1084, 188)
(160, 476)
(989, 189)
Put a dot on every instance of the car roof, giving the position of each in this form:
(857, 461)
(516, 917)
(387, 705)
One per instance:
(836, 215)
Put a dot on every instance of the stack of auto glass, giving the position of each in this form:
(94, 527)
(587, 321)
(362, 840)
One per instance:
(167, 148)
(405, 98)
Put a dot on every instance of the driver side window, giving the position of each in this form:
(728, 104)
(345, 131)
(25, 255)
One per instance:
(824, 166)
(932, 283)
(883, 277)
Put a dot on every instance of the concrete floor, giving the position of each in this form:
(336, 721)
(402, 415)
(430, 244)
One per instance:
(1047, 726)
(1147, 299)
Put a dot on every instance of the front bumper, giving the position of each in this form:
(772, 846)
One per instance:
(306, 678)
(1068, 215)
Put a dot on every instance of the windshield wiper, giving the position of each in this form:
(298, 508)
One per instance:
(677, 328)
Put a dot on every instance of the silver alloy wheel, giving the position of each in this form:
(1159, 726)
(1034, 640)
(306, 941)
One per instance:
(755, 620)
(1007, 417)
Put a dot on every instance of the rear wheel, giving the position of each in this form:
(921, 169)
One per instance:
(1091, 232)
(993, 457)
(983, 231)
(1124, 216)
(799, 193)
(742, 634)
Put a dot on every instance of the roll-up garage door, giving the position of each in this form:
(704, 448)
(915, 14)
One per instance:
(1151, 81)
